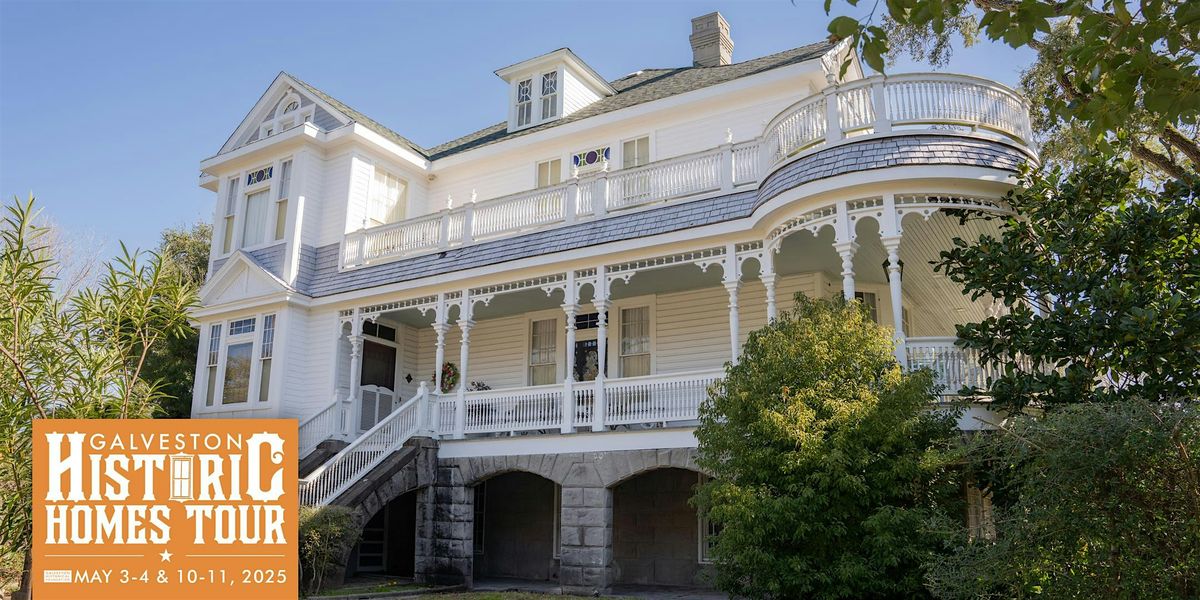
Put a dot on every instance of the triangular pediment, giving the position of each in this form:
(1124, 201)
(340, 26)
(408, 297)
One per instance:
(286, 103)
(238, 279)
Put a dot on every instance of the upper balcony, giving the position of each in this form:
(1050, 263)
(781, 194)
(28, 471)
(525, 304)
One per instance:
(872, 107)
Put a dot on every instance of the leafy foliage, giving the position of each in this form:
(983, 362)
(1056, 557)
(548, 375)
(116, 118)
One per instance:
(1093, 501)
(184, 251)
(1114, 269)
(1105, 72)
(81, 356)
(325, 532)
(822, 449)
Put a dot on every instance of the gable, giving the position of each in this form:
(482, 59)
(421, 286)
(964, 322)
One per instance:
(238, 279)
(274, 112)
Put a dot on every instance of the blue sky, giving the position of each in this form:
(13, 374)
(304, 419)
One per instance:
(106, 108)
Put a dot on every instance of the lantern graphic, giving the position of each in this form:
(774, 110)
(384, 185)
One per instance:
(181, 477)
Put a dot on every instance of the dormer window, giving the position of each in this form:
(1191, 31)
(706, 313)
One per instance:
(289, 112)
(549, 95)
(524, 102)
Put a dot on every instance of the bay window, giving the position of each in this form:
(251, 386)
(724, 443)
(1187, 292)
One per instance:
(238, 364)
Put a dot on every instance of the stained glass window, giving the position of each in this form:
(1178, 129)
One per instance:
(259, 176)
(591, 160)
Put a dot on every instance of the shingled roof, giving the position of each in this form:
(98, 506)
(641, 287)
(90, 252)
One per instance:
(638, 88)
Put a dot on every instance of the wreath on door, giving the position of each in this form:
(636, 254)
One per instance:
(450, 377)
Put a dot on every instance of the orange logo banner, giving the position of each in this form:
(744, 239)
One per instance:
(179, 509)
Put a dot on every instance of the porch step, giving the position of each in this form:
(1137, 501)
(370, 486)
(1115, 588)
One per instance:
(323, 452)
(384, 471)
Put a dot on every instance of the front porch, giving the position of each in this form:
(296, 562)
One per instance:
(629, 345)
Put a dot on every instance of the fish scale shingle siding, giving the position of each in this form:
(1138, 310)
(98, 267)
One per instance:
(322, 277)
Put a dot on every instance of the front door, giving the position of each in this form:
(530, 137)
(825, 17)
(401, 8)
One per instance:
(378, 369)
(587, 360)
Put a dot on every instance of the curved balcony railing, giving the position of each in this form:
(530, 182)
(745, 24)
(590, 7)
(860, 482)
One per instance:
(874, 106)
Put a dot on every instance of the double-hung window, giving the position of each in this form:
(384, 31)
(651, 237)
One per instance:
(281, 199)
(543, 350)
(524, 102)
(239, 362)
(549, 95)
(871, 302)
(265, 352)
(635, 341)
(214, 363)
(387, 198)
(549, 172)
(231, 197)
(635, 153)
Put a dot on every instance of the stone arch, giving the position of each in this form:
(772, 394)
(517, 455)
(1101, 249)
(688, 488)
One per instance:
(370, 496)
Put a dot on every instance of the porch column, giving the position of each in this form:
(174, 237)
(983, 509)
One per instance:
(356, 344)
(766, 273)
(441, 327)
(846, 251)
(465, 323)
(732, 282)
(570, 308)
(600, 405)
(892, 245)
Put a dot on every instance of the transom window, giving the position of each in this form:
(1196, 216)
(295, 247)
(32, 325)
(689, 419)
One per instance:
(590, 160)
(549, 172)
(388, 198)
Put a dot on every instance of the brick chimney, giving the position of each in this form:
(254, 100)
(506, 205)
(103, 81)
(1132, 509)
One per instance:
(711, 44)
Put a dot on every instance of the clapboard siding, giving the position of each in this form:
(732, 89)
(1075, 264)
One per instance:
(331, 223)
(497, 352)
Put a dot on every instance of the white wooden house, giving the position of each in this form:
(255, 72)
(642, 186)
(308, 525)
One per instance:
(588, 265)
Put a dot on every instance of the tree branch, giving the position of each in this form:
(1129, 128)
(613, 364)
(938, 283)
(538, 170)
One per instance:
(1184, 144)
(1164, 164)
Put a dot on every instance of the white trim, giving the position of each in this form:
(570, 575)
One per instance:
(650, 439)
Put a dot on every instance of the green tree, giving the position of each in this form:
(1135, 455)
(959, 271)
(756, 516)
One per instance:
(1092, 501)
(184, 250)
(1112, 267)
(1106, 71)
(81, 356)
(825, 474)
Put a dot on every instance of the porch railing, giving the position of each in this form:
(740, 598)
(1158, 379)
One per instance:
(954, 368)
(650, 400)
(336, 476)
(879, 105)
(327, 423)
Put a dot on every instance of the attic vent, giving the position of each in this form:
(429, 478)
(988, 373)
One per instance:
(711, 44)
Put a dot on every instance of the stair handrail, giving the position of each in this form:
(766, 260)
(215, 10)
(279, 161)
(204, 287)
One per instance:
(310, 490)
(314, 424)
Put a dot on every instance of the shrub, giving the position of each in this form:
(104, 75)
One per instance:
(325, 534)
(825, 474)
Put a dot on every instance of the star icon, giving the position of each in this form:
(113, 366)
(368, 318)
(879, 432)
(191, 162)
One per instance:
(166, 555)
